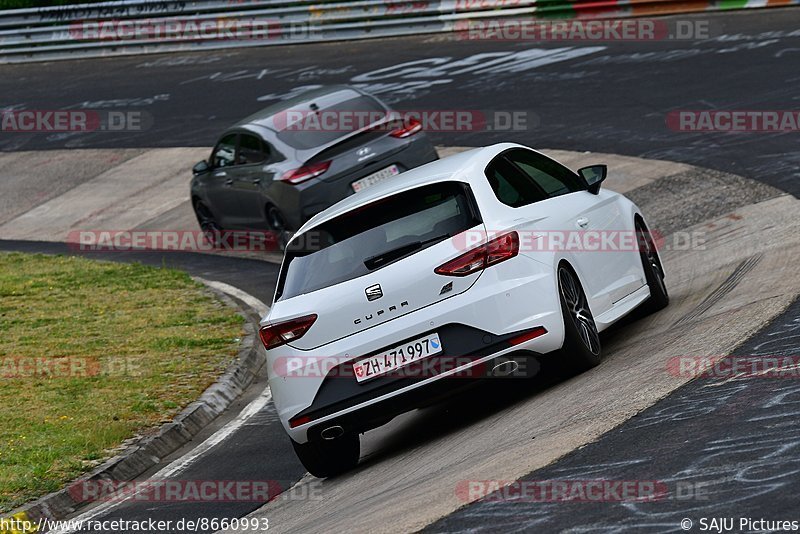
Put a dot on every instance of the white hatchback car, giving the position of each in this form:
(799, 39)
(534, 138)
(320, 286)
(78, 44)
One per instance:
(458, 269)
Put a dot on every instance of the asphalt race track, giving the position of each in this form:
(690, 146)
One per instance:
(604, 97)
(691, 438)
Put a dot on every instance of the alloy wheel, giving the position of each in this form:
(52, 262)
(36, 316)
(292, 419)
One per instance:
(578, 310)
(650, 255)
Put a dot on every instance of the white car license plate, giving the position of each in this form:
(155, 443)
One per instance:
(375, 177)
(397, 357)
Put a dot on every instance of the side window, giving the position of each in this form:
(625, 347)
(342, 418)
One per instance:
(511, 186)
(224, 152)
(251, 150)
(551, 176)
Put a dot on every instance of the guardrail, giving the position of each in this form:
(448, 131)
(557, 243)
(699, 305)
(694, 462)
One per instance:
(150, 26)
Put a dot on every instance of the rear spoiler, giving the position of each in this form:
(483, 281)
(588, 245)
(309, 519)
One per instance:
(311, 154)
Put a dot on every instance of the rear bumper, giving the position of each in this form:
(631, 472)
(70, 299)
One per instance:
(475, 326)
(301, 202)
(467, 349)
(383, 410)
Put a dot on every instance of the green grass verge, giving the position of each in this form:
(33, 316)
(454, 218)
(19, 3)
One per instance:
(91, 353)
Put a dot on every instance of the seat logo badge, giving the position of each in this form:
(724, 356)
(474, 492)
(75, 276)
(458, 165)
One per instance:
(374, 292)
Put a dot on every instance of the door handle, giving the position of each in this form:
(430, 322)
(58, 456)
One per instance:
(257, 181)
(229, 181)
(221, 173)
(583, 222)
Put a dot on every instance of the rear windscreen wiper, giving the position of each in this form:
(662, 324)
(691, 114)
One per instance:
(379, 260)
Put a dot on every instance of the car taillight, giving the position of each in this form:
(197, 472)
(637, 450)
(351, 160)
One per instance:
(275, 335)
(306, 172)
(297, 421)
(498, 249)
(529, 335)
(409, 128)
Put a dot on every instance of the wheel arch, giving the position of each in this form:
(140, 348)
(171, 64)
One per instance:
(266, 206)
(196, 198)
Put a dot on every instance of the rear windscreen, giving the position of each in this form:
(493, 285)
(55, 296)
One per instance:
(307, 129)
(373, 236)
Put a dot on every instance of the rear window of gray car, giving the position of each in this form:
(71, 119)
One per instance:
(324, 126)
(373, 236)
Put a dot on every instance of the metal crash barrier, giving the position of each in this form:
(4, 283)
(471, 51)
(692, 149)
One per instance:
(151, 26)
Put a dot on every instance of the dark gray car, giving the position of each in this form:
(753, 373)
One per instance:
(277, 168)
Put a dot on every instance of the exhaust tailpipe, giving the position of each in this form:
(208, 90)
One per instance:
(332, 432)
(504, 368)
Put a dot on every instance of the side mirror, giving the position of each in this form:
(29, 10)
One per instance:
(593, 175)
(200, 167)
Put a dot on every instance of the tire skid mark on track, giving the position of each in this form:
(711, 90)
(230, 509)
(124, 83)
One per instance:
(689, 442)
(723, 289)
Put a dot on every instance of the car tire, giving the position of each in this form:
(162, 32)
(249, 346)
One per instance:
(581, 348)
(328, 458)
(208, 223)
(653, 271)
(277, 224)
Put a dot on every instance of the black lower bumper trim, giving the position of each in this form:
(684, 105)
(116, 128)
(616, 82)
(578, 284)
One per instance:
(462, 344)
